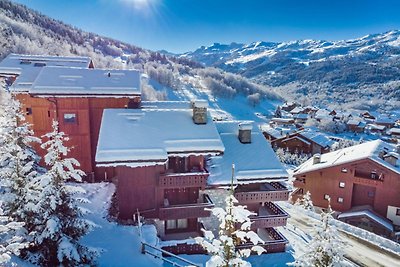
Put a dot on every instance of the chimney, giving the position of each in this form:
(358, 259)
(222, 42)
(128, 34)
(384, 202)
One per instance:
(245, 132)
(316, 158)
(200, 111)
(391, 158)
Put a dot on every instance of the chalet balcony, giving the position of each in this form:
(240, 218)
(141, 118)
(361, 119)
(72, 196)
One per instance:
(368, 178)
(299, 182)
(273, 241)
(270, 215)
(183, 211)
(194, 178)
(264, 193)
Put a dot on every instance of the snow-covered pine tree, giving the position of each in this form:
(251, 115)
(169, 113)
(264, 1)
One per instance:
(62, 223)
(19, 163)
(326, 249)
(11, 238)
(223, 248)
(305, 202)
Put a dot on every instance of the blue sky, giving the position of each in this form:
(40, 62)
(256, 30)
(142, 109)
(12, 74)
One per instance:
(183, 25)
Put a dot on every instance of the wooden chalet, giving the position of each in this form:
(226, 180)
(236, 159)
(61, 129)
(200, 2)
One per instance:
(394, 133)
(73, 95)
(258, 176)
(158, 156)
(363, 175)
(305, 141)
(356, 126)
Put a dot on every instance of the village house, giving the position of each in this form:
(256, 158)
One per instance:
(259, 180)
(362, 181)
(375, 128)
(394, 133)
(306, 141)
(75, 94)
(356, 126)
(282, 121)
(22, 70)
(385, 121)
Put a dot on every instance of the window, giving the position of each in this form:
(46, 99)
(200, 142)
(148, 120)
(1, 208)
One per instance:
(70, 118)
(326, 197)
(182, 223)
(171, 224)
(176, 224)
(28, 111)
(374, 175)
(371, 194)
(397, 212)
(342, 184)
(340, 199)
(344, 170)
(24, 62)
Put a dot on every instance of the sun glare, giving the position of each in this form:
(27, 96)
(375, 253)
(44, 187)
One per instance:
(143, 5)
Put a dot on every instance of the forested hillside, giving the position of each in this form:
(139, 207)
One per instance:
(23, 30)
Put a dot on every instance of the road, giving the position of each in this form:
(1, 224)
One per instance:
(357, 251)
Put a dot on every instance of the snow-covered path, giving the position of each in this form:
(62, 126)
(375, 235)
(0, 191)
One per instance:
(358, 251)
(121, 244)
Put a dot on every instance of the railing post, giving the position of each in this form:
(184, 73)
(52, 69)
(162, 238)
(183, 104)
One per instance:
(143, 249)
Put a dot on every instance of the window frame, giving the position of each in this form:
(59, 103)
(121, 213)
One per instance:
(72, 120)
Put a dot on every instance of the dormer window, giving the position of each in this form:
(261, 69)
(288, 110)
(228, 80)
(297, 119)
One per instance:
(25, 62)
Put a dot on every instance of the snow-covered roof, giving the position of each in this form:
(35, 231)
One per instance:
(394, 131)
(368, 150)
(147, 136)
(322, 113)
(376, 127)
(82, 81)
(367, 213)
(253, 161)
(317, 137)
(353, 122)
(271, 131)
(301, 116)
(385, 120)
(296, 110)
(28, 67)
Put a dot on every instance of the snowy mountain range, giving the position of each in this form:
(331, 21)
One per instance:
(366, 68)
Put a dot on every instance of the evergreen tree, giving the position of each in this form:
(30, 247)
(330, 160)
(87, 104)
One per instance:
(11, 238)
(278, 112)
(224, 248)
(326, 248)
(19, 163)
(306, 202)
(61, 224)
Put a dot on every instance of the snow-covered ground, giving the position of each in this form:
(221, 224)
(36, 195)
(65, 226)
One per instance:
(120, 244)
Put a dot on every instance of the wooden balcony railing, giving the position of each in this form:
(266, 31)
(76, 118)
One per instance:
(182, 180)
(266, 193)
(368, 178)
(182, 211)
(270, 215)
(273, 241)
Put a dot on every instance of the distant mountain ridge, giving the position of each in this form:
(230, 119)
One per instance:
(365, 68)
